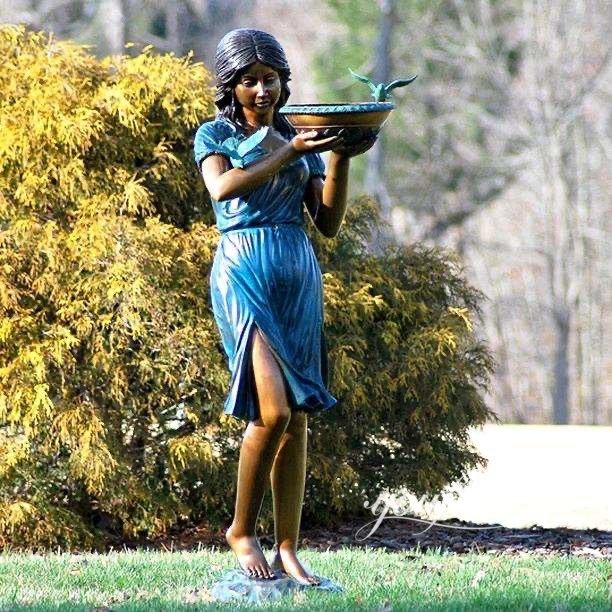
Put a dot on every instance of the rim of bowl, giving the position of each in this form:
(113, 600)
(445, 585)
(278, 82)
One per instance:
(340, 107)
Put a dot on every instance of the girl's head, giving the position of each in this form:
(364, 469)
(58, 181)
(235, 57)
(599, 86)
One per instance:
(237, 51)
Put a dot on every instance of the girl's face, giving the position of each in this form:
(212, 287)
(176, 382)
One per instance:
(258, 90)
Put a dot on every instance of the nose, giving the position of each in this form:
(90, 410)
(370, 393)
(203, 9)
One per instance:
(262, 90)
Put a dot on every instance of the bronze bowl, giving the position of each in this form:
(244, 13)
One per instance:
(358, 122)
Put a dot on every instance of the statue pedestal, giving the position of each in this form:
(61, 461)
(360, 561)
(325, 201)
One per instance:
(236, 586)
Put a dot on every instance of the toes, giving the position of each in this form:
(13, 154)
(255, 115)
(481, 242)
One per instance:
(259, 571)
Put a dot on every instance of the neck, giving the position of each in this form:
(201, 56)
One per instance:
(258, 121)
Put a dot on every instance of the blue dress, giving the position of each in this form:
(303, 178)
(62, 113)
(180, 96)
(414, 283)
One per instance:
(265, 275)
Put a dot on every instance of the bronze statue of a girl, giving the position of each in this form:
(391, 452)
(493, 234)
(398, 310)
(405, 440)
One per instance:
(266, 284)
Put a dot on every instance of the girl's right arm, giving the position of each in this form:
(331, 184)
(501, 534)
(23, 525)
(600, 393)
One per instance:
(224, 183)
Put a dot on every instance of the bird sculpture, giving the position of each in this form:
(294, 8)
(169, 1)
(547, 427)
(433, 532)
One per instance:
(381, 92)
(237, 149)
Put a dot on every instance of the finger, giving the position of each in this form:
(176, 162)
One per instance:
(327, 140)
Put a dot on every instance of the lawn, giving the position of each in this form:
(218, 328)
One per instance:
(373, 579)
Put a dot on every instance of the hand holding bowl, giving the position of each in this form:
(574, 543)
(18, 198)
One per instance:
(314, 141)
(356, 141)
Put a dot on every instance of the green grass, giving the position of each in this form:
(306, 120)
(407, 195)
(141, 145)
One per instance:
(372, 579)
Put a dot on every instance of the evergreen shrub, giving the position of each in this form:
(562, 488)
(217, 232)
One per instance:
(112, 373)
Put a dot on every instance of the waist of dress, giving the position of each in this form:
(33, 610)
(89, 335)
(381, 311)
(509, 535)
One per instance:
(263, 225)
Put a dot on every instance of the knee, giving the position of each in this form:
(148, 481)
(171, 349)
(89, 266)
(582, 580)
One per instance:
(277, 420)
(273, 423)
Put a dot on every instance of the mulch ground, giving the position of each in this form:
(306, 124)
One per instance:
(405, 534)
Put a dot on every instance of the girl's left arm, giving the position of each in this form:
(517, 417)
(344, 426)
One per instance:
(326, 201)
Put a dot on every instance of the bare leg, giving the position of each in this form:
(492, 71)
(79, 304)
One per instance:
(288, 478)
(259, 446)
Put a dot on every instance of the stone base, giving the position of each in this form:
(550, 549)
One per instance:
(235, 585)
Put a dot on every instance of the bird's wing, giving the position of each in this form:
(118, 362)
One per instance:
(400, 82)
(363, 79)
(230, 148)
(252, 141)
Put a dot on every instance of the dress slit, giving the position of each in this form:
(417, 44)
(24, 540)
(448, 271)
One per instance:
(243, 396)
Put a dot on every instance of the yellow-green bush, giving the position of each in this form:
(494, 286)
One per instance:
(112, 375)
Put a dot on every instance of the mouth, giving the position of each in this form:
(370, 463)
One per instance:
(262, 104)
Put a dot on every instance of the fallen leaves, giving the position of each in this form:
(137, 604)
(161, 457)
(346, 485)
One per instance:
(480, 574)
(198, 596)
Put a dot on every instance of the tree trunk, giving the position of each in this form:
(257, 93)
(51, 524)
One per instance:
(561, 387)
(111, 15)
(375, 178)
(172, 26)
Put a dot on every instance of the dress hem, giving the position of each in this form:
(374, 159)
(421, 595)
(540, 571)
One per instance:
(299, 408)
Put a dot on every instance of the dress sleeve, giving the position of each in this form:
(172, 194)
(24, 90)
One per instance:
(316, 165)
(208, 141)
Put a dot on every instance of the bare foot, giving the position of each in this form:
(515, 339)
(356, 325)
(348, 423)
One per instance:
(249, 554)
(286, 561)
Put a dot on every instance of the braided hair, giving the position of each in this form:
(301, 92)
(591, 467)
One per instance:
(236, 52)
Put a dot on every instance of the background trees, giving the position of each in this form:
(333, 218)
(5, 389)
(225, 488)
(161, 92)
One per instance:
(553, 303)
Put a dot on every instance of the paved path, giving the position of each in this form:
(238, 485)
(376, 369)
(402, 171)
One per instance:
(552, 476)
